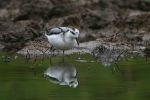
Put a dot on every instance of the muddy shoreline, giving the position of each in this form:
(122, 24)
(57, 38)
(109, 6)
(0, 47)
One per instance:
(22, 22)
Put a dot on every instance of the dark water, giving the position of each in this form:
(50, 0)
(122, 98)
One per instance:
(22, 80)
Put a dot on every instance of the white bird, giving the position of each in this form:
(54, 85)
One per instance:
(63, 38)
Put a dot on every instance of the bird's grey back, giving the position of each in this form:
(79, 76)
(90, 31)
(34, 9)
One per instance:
(57, 30)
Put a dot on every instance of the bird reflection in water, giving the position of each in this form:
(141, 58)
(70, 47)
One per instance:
(62, 74)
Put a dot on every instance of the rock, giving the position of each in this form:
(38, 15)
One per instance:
(15, 37)
(22, 21)
(1, 47)
(30, 9)
(146, 39)
(4, 13)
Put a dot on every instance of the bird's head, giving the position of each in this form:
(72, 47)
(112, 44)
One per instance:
(73, 33)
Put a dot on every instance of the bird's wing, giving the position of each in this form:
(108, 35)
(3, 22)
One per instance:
(57, 30)
(54, 31)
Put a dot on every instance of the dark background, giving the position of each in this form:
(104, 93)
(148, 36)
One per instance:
(22, 21)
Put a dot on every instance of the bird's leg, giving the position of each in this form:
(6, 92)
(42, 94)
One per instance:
(78, 49)
(51, 49)
(79, 58)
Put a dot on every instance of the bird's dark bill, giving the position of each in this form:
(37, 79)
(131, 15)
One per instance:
(77, 41)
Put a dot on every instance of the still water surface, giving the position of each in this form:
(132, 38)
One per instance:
(74, 80)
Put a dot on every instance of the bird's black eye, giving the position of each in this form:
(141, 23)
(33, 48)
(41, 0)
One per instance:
(72, 32)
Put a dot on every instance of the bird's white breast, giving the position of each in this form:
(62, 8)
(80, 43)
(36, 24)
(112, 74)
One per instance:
(61, 42)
